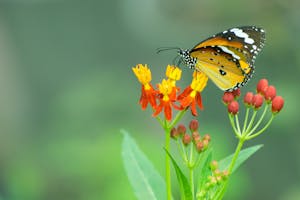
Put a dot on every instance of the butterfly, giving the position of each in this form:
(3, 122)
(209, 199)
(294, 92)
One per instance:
(227, 58)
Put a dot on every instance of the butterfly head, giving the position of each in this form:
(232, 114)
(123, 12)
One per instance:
(186, 58)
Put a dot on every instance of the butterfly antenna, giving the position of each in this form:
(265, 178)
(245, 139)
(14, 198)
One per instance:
(158, 50)
(175, 60)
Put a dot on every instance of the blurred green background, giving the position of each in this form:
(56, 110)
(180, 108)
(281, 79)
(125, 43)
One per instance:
(67, 88)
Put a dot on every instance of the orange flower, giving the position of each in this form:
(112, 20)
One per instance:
(149, 95)
(191, 95)
(167, 93)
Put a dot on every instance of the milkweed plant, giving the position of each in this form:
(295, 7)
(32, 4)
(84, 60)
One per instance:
(201, 177)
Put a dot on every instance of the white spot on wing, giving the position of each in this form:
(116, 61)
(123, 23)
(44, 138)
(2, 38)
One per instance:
(226, 50)
(241, 34)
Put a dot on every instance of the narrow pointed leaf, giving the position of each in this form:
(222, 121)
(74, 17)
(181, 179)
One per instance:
(145, 180)
(242, 157)
(186, 193)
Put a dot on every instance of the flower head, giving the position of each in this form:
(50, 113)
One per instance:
(191, 95)
(167, 98)
(173, 72)
(148, 94)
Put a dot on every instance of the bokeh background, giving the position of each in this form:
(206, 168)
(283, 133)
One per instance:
(67, 89)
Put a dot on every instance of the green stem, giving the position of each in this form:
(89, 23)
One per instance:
(231, 119)
(182, 151)
(191, 169)
(237, 123)
(221, 193)
(168, 166)
(251, 122)
(262, 130)
(260, 120)
(192, 182)
(178, 116)
(246, 119)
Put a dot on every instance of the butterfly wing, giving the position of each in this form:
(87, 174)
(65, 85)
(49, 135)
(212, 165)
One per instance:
(227, 58)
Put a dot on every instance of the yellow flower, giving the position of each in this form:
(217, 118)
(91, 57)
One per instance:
(191, 95)
(199, 81)
(148, 94)
(167, 97)
(173, 73)
(143, 73)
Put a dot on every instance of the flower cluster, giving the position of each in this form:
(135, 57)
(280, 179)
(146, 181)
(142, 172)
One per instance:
(216, 178)
(266, 94)
(200, 143)
(166, 96)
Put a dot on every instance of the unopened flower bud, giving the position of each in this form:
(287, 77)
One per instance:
(233, 107)
(186, 139)
(199, 146)
(213, 165)
(270, 93)
(225, 174)
(194, 124)
(248, 98)
(181, 129)
(257, 101)
(236, 93)
(262, 85)
(174, 133)
(227, 97)
(206, 137)
(205, 144)
(196, 136)
(277, 104)
(219, 179)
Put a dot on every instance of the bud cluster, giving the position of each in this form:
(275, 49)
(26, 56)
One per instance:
(265, 94)
(201, 142)
(217, 177)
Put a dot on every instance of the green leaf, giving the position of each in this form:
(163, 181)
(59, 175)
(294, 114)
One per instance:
(204, 171)
(145, 180)
(186, 193)
(242, 157)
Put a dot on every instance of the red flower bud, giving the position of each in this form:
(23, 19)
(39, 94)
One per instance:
(206, 137)
(214, 165)
(196, 136)
(277, 104)
(181, 129)
(194, 124)
(236, 93)
(257, 101)
(174, 133)
(205, 143)
(233, 107)
(270, 92)
(186, 139)
(248, 98)
(199, 146)
(228, 97)
(262, 85)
